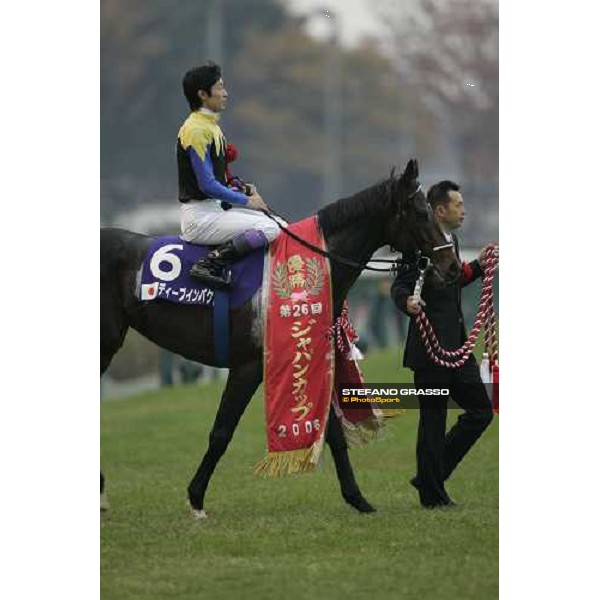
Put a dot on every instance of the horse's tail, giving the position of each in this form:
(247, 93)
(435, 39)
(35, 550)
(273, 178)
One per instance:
(121, 253)
(116, 246)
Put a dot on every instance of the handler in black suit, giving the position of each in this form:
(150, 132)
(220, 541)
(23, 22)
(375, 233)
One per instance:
(438, 454)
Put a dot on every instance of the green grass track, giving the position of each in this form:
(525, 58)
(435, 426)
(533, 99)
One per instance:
(293, 538)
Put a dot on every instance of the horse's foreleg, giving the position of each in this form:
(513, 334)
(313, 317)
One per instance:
(339, 450)
(103, 501)
(241, 385)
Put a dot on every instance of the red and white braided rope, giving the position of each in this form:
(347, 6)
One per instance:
(486, 318)
(340, 325)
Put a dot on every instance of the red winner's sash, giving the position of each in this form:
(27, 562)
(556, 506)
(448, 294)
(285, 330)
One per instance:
(300, 357)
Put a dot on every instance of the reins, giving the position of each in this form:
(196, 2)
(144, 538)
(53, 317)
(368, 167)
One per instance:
(332, 256)
(335, 257)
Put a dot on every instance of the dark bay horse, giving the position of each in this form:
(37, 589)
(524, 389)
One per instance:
(393, 212)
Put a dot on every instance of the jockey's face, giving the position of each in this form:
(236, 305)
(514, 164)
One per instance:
(452, 215)
(217, 101)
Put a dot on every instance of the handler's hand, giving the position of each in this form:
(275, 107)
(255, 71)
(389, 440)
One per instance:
(255, 202)
(481, 258)
(413, 305)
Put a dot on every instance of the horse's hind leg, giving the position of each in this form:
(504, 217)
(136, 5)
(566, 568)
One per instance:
(104, 506)
(339, 450)
(113, 329)
(241, 385)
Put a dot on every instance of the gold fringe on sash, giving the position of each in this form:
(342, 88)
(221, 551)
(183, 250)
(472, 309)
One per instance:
(278, 464)
(358, 434)
(390, 413)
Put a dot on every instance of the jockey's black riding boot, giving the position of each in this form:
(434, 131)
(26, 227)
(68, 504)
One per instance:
(214, 268)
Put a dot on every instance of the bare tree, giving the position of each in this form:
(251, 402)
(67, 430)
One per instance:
(448, 49)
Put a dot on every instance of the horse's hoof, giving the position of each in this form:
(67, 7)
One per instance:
(360, 504)
(104, 503)
(197, 513)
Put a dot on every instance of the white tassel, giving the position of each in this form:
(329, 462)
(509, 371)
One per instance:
(355, 353)
(484, 369)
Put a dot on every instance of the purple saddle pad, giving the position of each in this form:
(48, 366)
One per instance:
(164, 274)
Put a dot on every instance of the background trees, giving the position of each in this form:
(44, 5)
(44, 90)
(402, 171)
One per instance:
(427, 87)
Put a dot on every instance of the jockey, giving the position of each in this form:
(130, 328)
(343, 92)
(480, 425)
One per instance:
(216, 209)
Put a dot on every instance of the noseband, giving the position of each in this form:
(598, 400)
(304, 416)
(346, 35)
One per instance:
(443, 247)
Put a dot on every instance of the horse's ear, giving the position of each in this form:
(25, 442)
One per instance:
(412, 169)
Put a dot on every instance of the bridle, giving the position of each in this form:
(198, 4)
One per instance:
(443, 247)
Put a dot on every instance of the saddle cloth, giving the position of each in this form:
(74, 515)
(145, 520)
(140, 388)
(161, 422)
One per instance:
(164, 274)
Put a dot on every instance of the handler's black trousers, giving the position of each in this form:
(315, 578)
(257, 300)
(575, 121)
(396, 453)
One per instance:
(438, 454)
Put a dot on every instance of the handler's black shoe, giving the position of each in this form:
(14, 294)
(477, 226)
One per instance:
(441, 503)
(448, 504)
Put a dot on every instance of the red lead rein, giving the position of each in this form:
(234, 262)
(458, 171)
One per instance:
(486, 318)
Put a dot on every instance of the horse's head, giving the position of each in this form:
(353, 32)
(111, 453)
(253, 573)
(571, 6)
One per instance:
(414, 229)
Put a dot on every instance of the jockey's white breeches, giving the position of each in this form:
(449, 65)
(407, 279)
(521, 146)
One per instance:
(205, 222)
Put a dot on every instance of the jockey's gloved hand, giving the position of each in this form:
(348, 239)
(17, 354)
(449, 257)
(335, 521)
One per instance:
(255, 202)
(237, 184)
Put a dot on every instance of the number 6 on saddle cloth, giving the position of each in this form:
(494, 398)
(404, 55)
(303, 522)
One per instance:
(164, 275)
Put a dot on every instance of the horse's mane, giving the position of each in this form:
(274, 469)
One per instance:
(373, 201)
